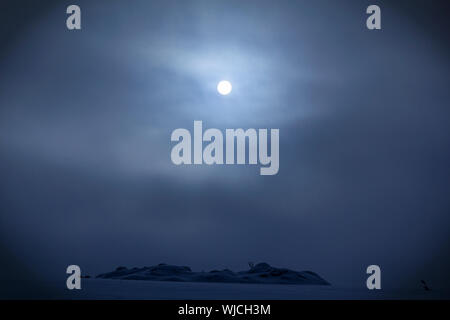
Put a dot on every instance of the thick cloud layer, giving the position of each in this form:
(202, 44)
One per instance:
(86, 119)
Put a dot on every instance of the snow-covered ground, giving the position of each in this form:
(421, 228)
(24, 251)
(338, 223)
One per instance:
(141, 289)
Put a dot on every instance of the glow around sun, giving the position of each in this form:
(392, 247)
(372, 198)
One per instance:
(224, 87)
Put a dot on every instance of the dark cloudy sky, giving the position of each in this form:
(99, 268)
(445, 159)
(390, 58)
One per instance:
(86, 117)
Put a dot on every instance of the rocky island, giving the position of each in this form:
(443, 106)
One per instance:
(259, 273)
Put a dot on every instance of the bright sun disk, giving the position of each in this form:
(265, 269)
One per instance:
(224, 87)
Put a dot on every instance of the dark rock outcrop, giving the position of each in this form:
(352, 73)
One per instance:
(260, 273)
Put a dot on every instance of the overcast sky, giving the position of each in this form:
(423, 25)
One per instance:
(86, 118)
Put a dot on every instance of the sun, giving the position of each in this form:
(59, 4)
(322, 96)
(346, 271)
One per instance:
(224, 87)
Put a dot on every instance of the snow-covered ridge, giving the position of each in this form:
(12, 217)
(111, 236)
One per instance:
(260, 273)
